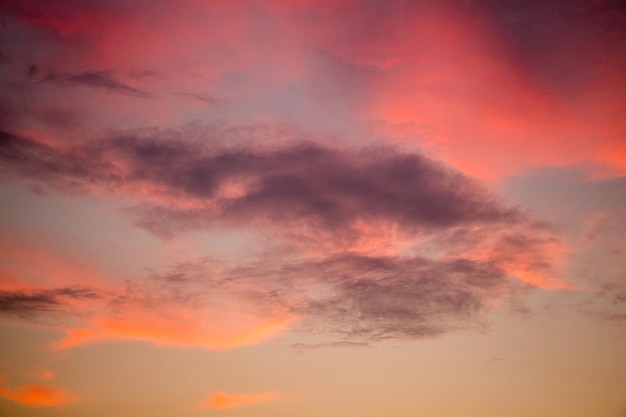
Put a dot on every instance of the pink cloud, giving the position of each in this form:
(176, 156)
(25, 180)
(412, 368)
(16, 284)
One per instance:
(422, 72)
(341, 213)
(492, 118)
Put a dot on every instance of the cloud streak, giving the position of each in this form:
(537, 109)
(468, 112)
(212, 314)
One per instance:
(27, 304)
(224, 400)
(95, 79)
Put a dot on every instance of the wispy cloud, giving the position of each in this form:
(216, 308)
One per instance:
(367, 243)
(364, 298)
(191, 305)
(223, 400)
(95, 79)
(207, 99)
(28, 304)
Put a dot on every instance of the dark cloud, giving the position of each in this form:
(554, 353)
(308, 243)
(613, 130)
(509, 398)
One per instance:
(302, 190)
(95, 79)
(326, 188)
(348, 300)
(207, 99)
(38, 160)
(369, 298)
(310, 195)
(354, 299)
(28, 304)
(561, 45)
(32, 71)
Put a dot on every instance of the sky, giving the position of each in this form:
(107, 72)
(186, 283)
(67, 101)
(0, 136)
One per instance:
(356, 208)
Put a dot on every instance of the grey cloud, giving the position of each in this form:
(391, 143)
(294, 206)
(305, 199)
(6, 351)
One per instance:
(95, 79)
(28, 304)
(349, 300)
(207, 99)
(37, 160)
(378, 298)
(537, 33)
(354, 297)
(324, 187)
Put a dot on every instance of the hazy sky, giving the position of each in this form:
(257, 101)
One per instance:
(313, 208)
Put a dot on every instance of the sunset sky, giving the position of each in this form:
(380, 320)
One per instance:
(313, 208)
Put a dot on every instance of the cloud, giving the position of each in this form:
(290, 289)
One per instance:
(27, 304)
(311, 194)
(183, 330)
(302, 347)
(366, 299)
(223, 400)
(355, 299)
(190, 305)
(420, 62)
(95, 79)
(38, 395)
(207, 99)
(324, 187)
(365, 244)
(427, 64)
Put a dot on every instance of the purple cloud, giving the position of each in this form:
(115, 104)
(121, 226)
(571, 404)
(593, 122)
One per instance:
(323, 206)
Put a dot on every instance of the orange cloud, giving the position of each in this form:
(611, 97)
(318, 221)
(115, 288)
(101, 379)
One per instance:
(185, 330)
(38, 395)
(223, 400)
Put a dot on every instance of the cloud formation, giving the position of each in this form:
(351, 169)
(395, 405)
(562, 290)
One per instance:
(190, 305)
(367, 243)
(329, 188)
(353, 298)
